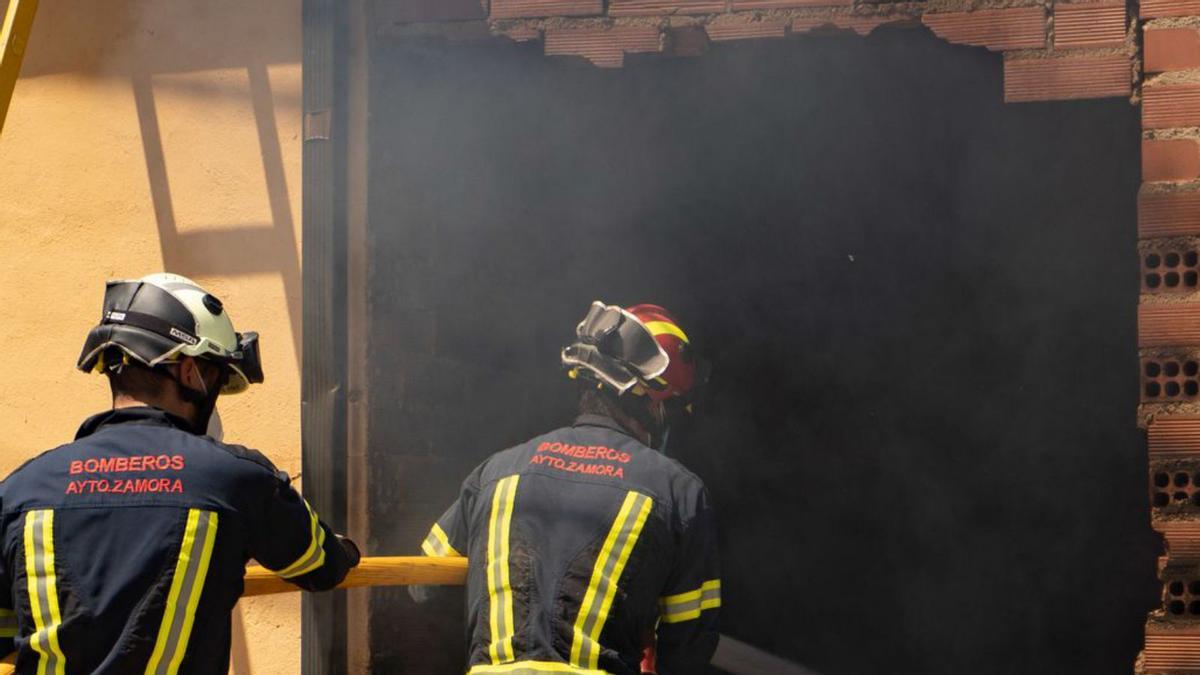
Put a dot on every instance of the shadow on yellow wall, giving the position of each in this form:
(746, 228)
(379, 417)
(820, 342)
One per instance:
(229, 251)
(138, 40)
(117, 36)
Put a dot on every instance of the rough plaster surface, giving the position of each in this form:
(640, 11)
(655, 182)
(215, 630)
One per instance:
(79, 207)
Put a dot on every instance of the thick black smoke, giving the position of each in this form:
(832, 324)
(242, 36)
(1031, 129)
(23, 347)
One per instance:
(919, 302)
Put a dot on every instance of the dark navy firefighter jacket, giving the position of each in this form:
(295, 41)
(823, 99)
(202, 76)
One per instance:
(585, 547)
(124, 551)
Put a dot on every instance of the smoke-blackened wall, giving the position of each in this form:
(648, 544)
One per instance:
(919, 304)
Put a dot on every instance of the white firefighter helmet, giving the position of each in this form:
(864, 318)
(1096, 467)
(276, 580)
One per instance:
(155, 319)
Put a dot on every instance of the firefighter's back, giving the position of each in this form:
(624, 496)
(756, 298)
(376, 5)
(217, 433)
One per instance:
(124, 551)
(576, 535)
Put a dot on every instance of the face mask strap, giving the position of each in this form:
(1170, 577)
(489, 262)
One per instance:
(203, 400)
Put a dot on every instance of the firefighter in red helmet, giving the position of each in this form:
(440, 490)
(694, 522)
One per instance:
(589, 549)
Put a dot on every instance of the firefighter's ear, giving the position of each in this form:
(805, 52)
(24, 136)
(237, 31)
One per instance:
(189, 375)
(201, 376)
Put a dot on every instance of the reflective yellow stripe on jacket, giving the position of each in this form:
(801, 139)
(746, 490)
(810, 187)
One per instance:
(314, 556)
(500, 597)
(43, 591)
(437, 544)
(689, 605)
(191, 568)
(610, 563)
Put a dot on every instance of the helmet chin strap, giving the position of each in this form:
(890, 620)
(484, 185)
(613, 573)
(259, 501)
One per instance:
(653, 418)
(659, 441)
(661, 433)
(663, 416)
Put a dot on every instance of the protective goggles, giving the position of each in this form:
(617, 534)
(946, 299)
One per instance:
(248, 358)
(616, 347)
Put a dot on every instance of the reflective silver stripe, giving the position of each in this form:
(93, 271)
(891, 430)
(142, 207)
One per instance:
(314, 556)
(313, 561)
(689, 605)
(433, 548)
(692, 605)
(191, 569)
(50, 663)
(585, 650)
(437, 545)
(499, 587)
(8, 623)
(43, 591)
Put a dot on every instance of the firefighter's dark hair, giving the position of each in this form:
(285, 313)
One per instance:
(593, 401)
(606, 402)
(133, 379)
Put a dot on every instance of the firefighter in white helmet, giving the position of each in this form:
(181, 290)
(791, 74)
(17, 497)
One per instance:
(124, 551)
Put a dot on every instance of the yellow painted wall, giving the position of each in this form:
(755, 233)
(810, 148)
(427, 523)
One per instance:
(143, 135)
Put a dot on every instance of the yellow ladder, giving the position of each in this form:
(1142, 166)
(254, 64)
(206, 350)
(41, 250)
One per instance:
(14, 37)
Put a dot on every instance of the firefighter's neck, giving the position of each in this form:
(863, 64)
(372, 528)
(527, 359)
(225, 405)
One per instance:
(634, 427)
(169, 402)
(629, 423)
(169, 397)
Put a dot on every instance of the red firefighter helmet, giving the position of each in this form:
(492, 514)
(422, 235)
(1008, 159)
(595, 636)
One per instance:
(680, 375)
(640, 349)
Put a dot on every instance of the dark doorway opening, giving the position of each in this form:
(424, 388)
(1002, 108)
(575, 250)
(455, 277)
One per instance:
(913, 295)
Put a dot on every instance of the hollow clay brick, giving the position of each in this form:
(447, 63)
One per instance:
(741, 30)
(1168, 214)
(660, 7)
(1066, 78)
(520, 9)
(1169, 324)
(605, 47)
(996, 29)
(1170, 160)
(1170, 105)
(786, 4)
(1171, 49)
(1153, 9)
(1172, 648)
(1174, 436)
(1171, 378)
(1089, 24)
(522, 33)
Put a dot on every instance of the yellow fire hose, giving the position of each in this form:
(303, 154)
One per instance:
(376, 571)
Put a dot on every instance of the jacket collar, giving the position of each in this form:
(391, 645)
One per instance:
(135, 415)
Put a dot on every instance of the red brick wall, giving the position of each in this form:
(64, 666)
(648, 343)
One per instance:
(1168, 320)
(1052, 50)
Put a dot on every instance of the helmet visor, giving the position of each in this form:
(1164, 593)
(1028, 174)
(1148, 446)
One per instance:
(610, 332)
(244, 364)
(248, 359)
